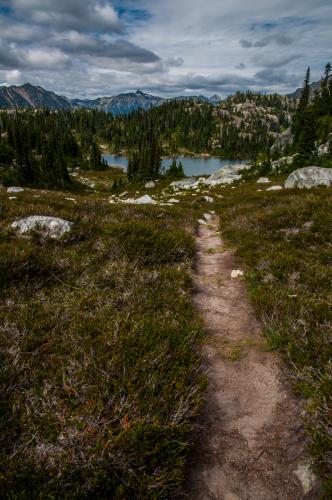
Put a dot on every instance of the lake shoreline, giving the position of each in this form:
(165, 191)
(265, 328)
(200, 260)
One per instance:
(193, 166)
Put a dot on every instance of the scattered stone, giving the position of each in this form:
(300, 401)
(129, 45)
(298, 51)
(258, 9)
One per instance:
(309, 177)
(184, 183)
(274, 188)
(207, 216)
(202, 221)
(308, 225)
(173, 200)
(143, 200)
(324, 149)
(208, 199)
(15, 189)
(71, 199)
(12, 198)
(150, 185)
(263, 180)
(236, 273)
(49, 226)
(225, 175)
(306, 477)
(284, 161)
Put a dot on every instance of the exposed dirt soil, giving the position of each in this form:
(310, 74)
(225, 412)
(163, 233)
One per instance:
(251, 443)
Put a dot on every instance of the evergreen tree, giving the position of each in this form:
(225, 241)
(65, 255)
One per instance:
(299, 118)
(95, 157)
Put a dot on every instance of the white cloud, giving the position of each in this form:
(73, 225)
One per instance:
(165, 46)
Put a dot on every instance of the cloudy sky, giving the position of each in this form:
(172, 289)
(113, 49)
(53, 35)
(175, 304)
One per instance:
(90, 48)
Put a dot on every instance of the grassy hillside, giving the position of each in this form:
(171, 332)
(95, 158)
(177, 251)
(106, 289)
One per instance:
(99, 374)
(100, 377)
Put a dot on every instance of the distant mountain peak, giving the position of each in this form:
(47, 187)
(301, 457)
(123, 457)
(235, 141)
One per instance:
(31, 96)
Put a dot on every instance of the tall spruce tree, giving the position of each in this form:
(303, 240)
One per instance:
(299, 118)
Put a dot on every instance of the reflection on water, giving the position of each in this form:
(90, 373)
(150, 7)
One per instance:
(191, 166)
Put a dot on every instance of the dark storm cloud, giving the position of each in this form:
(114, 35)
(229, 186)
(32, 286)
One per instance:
(76, 43)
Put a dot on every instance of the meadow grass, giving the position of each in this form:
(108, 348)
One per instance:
(100, 379)
(100, 376)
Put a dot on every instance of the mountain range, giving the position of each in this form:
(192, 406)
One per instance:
(30, 96)
(34, 97)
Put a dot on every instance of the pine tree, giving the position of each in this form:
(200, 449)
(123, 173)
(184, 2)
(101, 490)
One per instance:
(307, 138)
(298, 121)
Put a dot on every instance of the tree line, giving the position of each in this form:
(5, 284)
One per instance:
(312, 124)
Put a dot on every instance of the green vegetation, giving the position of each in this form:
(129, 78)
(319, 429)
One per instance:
(100, 380)
(175, 171)
(39, 148)
(284, 239)
(99, 376)
(145, 161)
(313, 121)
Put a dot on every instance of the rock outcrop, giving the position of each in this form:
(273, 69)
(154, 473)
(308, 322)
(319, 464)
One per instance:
(184, 183)
(15, 189)
(150, 185)
(48, 226)
(263, 180)
(143, 200)
(309, 177)
(223, 176)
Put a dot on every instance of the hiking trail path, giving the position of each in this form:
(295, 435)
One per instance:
(250, 442)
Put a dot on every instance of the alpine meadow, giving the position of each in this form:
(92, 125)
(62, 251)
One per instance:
(165, 253)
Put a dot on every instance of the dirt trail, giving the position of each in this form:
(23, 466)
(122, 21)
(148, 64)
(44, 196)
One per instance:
(251, 442)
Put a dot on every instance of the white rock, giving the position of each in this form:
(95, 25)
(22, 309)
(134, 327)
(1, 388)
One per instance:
(274, 188)
(236, 273)
(324, 149)
(207, 217)
(122, 194)
(208, 199)
(173, 200)
(143, 200)
(225, 175)
(202, 221)
(12, 198)
(184, 183)
(49, 226)
(284, 161)
(150, 185)
(15, 189)
(309, 177)
(263, 180)
(239, 168)
(306, 477)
